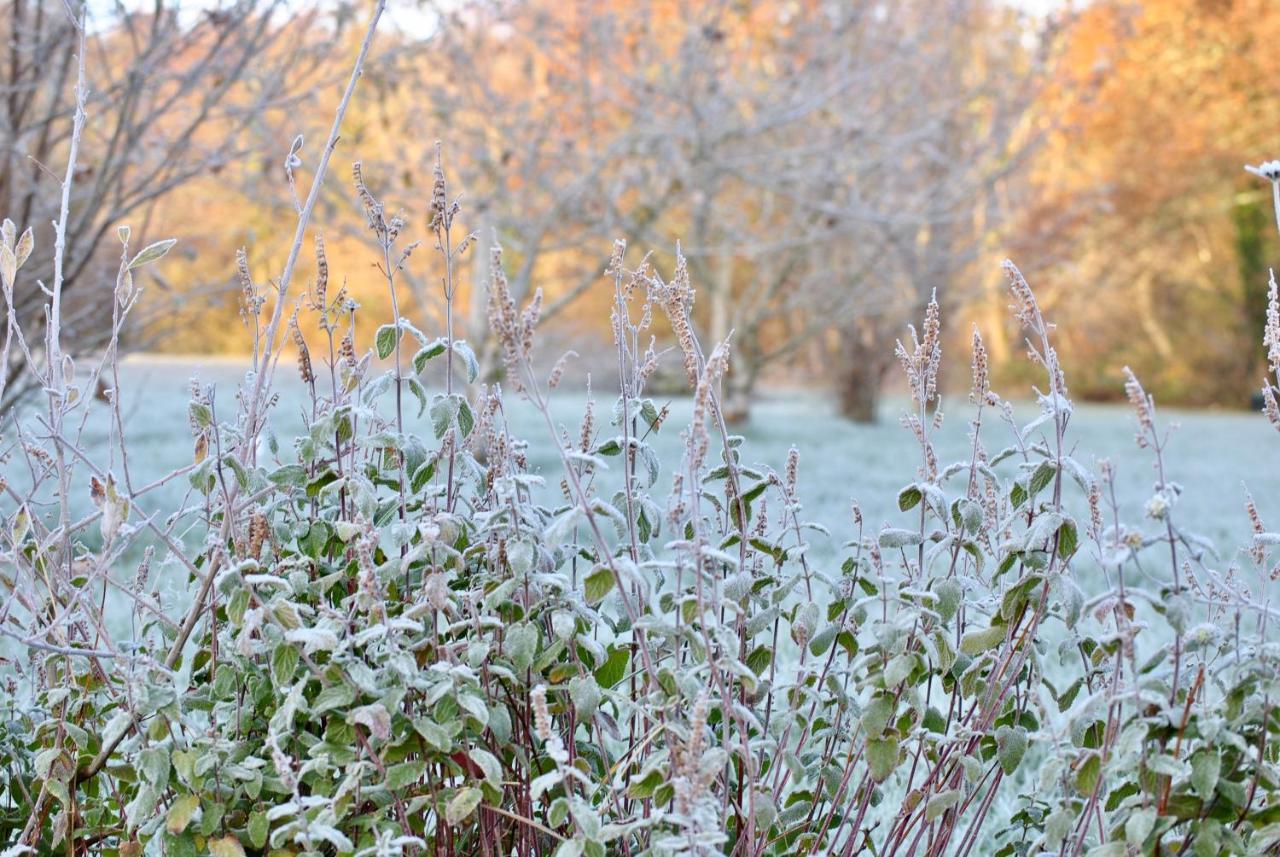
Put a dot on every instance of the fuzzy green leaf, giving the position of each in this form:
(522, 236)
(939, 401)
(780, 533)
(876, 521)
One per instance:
(462, 804)
(598, 584)
(151, 253)
(882, 757)
(387, 337)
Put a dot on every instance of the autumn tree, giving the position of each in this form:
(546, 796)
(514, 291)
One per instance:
(802, 155)
(1150, 244)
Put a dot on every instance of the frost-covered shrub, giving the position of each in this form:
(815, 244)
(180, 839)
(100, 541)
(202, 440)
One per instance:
(413, 644)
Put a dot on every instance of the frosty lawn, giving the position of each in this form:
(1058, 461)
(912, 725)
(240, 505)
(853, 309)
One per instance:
(1215, 454)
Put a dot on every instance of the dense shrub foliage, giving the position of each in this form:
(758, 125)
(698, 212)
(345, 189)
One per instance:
(413, 644)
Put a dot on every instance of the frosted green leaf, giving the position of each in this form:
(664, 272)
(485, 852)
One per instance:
(374, 718)
(227, 846)
(585, 694)
(152, 252)
(153, 763)
(387, 337)
(284, 661)
(882, 757)
(598, 584)
(1011, 744)
(401, 775)
(258, 828)
(181, 811)
(489, 765)
(1206, 766)
(875, 717)
(977, 642)
(941, 803)
(569, 848)
(462, 804)
(521, 644)
(949, 592)
(562, 624)
(895, 537)
(139, 809)
(1139, 825)
(899, 669)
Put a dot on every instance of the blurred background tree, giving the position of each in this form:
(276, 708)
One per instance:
(823, 166)
(1146, 237)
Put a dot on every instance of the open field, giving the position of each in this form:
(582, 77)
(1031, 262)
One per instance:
(1214, 454)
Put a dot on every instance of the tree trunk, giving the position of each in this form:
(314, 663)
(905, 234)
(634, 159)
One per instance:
(738, 392)
(859, 398)
(864, 361)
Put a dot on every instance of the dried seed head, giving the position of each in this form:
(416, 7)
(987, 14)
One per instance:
(394, 228)
(1271, 331)
(319, 295)
(615, 260)
(930, 469)
(793, 469)
(675, 299)
(503, 319)
(1024, 300)
(541, 713)
(1095, 511)
(981, 372)
(144, 569)
(305, 371)
(717, 365)
(931, 346)
(698, 725)
(369, 597)
(921, 361)
(259, 531)
(529, 322)
(441, 216)
(374, 214)
(1258, 550)
(251, 299)
(663, 413)
(39, 453)
(588, 422)
(1269, 404)
(1143, 406)
(675, 505)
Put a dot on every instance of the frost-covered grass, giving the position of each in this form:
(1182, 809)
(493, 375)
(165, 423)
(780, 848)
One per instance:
(1214, 454)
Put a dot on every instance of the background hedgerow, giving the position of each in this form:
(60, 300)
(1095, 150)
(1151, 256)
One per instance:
(397, 642)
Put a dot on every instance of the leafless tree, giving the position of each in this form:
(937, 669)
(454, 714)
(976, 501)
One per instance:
(959, 136)
(823, 166)
(174, 93)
